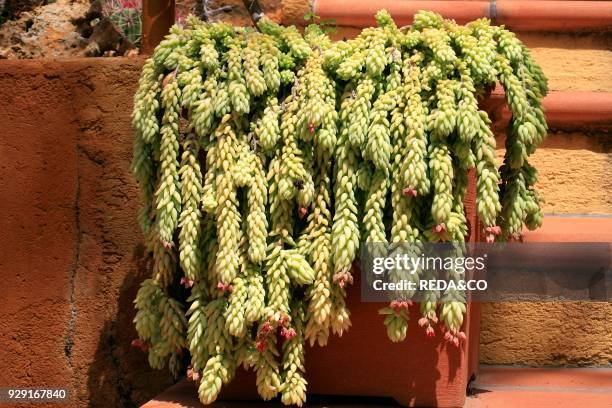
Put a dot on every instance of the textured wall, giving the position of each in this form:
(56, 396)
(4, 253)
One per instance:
(573, 172)
(574, 179)
(71, 252)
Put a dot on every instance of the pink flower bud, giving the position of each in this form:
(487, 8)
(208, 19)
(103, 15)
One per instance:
(490, 238)
(461, 335)
(456, 341)
(188, 283)
(343, 278)
(496, 230)
(434, 318)
(430, 331)
(224, 287)
(261, 346)
(448, 336)
(284, 320)
(192, 375)
(311, 127)
(167, 79)
(143, 345)
(167, 245)
(288, 333)
(440, 228)
(266, 327)
(409, 192)
(423, 321)
(302, 211)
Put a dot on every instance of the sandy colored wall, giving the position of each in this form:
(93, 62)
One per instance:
(575, 178)
(71, 253)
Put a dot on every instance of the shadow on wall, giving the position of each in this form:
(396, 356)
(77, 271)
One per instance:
(119, 375)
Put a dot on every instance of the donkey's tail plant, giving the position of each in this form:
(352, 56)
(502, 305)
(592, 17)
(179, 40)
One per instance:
(265, 157)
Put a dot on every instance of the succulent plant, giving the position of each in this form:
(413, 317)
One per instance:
(265, 157)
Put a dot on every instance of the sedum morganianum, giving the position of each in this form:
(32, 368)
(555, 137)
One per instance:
(266, 156)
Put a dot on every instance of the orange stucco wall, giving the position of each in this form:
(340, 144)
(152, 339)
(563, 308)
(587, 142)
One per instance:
(71, 254)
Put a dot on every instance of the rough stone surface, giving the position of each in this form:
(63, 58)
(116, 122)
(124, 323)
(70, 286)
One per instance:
(294, 10)
(45, 31)
(574, 171)
(546, 333)
(60, 30)
(573, 62)
(231, 11)
(72, 254)
(9, 9)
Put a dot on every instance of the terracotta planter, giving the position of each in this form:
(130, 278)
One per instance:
(419, 371)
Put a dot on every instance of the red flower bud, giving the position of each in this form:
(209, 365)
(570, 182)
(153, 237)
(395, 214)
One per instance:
(288, 333)
(496, 230)
(266, 327)
(224, 287)
(311, 127)
(192, 375)
(440, 228)
(188, 283)
(409, 192)
(343, 278)
(143, 345)
(284, 320)
(261, 346)
(302, 211)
